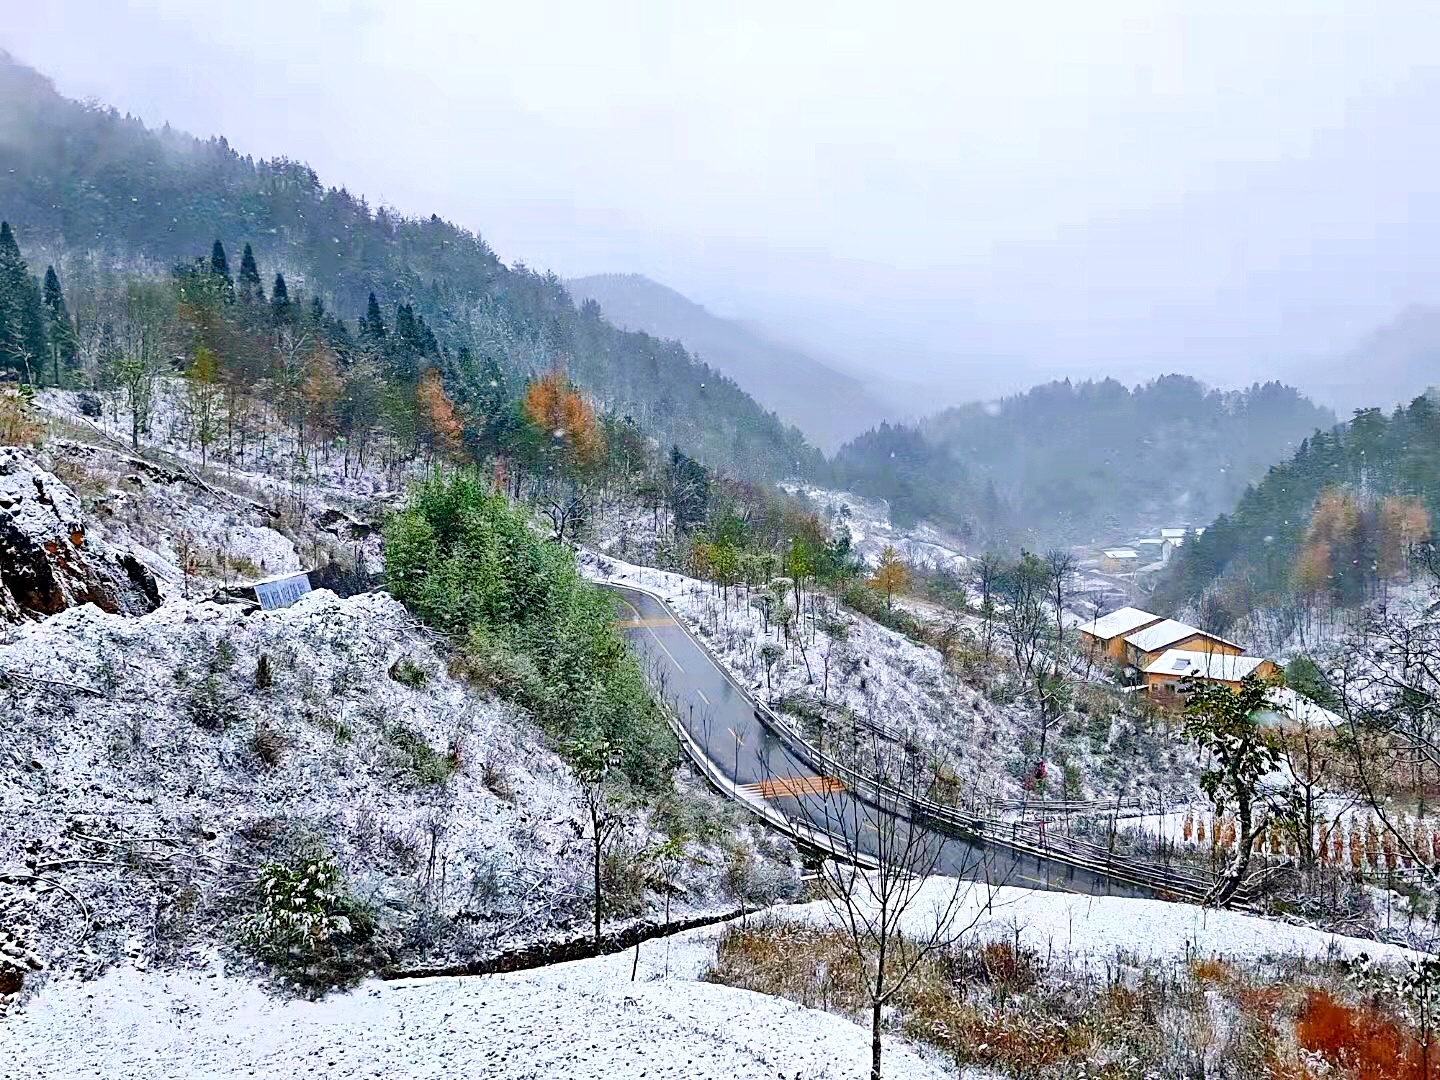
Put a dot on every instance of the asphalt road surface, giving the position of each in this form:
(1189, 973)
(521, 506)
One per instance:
(739, 743)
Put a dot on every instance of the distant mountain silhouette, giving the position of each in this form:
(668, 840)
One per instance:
(1392, 366)
(828, 405)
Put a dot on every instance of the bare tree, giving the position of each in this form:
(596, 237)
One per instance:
(985, 572)
(1061, 567)
(1027, 589)
(594, 761)
(1387, 682)
(1308, 753)
(877, 883)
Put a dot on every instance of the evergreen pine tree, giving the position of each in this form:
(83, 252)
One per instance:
(23, 347)
(220, 267)
(490, 406)
(405, 345)
(280, 299)
(250, 287)
(219, 264)
(64, 343)
(372, 326)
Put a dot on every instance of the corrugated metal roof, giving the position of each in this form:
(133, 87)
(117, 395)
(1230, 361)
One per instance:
(1173, 534)
(1121, 553)
(1125, 621)
(1203, 665)
(1161, 634)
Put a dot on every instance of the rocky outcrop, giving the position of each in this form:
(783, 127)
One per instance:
(47, 563)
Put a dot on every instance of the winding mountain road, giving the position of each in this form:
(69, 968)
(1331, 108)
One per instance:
(733, 741)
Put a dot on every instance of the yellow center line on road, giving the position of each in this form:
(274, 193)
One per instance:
(649, 625)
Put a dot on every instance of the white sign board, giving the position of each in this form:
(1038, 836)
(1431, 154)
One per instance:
(281, 592)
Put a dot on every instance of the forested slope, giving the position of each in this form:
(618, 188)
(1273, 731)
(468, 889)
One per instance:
(1077, 462)
(1352, 508)
(80, 181)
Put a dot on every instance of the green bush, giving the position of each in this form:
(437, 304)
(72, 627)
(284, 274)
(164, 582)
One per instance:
(306, 923)
(408, 673)
(469, 563)
(1304, 676)
(428, 765)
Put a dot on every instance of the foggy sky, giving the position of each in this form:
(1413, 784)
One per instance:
(970, 194)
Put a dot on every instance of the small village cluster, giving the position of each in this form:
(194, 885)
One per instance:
(1149, 553)
(1164, 652)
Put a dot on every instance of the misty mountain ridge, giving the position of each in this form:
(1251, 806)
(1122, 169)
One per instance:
(1081, 462)
(827, 404)
(1390, 366)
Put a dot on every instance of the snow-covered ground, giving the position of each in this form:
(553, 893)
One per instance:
(119, 729)
(581, 1020)
(586, 1019)
(273, 462)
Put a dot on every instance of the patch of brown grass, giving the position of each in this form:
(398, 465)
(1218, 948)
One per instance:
(1361, 1041)
(1000, 1007)
(815, 966)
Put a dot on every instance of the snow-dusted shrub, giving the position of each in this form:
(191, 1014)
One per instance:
(408, 673)
(624, 880)
(307, 924)
(423, 761)
(209, 707)
(755, 881)
(268, 743)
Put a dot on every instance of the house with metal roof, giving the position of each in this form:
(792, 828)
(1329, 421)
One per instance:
(1145, 646)
(1119, 560)
(1164, 677)
(1105, 636)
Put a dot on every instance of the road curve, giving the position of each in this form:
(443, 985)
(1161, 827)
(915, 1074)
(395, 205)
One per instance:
(724, 726)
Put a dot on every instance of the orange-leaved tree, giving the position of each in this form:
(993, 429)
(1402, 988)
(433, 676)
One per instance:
(891, 576)
(565, 419)
(439, 425)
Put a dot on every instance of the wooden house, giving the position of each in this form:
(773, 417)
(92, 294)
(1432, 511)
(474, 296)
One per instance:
(1120, 560)
(1164, 677)
(1147, 645)
(1105, 636)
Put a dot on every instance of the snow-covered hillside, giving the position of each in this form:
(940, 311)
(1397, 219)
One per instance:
(871, 530)
(586, 1020)
(153, 762)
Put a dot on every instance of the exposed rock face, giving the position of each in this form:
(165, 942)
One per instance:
(46, 562)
